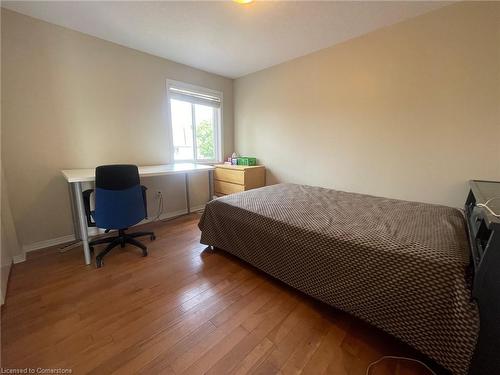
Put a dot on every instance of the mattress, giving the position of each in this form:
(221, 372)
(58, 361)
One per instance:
(399, 265)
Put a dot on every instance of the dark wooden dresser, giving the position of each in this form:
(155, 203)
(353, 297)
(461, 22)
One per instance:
(484, 237)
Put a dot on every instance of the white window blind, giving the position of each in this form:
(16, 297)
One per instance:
(195, 97)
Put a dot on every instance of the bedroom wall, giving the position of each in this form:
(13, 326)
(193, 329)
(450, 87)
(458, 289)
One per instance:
(74, 101)
(411, 111)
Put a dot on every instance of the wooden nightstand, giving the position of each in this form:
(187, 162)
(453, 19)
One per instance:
(230, 179)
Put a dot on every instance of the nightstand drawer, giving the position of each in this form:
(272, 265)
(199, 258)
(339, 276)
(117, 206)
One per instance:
(222, 187)
(229, 175)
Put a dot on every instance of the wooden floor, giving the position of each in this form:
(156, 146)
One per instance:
(181, 310)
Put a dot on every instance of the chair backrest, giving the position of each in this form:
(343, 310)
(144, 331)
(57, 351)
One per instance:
(118, 196)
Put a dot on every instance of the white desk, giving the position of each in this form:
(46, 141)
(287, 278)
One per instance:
(75, 177)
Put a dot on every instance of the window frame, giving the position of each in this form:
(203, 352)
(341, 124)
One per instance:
(218, 123)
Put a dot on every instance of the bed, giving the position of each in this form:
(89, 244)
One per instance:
(399, 265)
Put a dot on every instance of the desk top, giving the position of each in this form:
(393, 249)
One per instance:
(82, 175)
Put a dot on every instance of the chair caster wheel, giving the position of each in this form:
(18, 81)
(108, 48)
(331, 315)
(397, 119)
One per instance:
(98, 262)
(152, 238)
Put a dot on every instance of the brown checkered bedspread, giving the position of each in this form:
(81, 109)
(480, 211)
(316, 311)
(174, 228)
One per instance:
(398, 265)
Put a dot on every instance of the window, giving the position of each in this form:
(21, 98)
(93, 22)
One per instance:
(195, 122)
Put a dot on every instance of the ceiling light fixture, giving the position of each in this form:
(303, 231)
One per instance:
(243, 1)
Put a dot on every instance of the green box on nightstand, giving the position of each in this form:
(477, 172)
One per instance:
(245, 160)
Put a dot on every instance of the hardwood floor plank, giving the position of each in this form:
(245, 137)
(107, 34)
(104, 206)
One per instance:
(186, 344)
(216, 352)
(292, 333)
(259, 324)
(328, 351)
(152, 350)
(165, 331)
(193, 344)
(303, 352)
(181, 363)
(253, 359)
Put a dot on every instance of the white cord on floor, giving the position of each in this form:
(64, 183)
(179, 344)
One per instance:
(160, 208)
(396, 357)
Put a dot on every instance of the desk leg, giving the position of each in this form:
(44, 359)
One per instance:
(82, 220)
(188, 204)
(210, 185)
(74, 213)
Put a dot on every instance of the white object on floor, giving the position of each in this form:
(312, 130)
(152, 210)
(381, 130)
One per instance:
(396, 357)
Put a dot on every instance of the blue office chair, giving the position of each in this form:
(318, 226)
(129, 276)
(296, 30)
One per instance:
(120, 202)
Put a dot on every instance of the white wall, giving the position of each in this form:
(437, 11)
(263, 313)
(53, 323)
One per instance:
(411, 111)
(74, 101)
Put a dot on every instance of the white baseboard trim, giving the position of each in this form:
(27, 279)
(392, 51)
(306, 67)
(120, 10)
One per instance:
(19, 258)
(48, 243)
(198, 208)
(92, 232)
(170, 215)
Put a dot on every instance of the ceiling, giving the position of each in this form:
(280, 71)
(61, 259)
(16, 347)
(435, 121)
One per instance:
(225, 38)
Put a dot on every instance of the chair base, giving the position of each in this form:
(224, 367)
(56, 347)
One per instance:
(122, 239)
